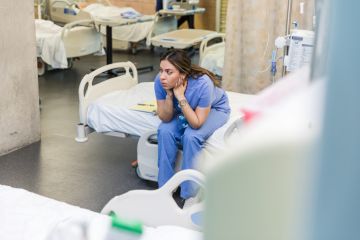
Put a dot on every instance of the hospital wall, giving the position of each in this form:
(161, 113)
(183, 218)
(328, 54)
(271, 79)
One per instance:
(19, 103)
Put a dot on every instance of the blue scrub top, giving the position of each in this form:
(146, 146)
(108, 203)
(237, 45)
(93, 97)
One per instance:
(200, 92)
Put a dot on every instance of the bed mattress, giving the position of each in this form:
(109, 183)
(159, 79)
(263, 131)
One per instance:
(112, 113)
(181, 39)
(135, 32)
(26, 215)
(29, 216)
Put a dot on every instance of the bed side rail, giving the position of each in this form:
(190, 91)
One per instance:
(236, 123)
(63, 2)
(88, 92)
(157, 207)
(206, 43)
(84, 23)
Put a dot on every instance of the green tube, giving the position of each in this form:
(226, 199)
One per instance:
(134, 227)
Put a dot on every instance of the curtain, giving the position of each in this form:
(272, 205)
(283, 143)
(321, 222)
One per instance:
(251, 29)
(223, 12)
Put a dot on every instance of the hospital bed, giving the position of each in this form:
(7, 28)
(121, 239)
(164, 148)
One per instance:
(26, 215)
(212, 53)
(189, 39)
(57, 46)
(128, 26)
(106, 108)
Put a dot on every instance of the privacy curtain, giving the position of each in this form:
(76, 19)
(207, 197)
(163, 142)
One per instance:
(251, 29)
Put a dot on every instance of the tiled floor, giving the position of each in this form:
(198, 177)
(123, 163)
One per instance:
(84, 174)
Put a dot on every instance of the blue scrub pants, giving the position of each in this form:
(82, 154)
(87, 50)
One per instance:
(192, 140)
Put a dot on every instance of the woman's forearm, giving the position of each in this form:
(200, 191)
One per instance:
(195, 118)
(166, 109)
(191, 116)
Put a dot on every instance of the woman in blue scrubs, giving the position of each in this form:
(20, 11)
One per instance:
(191, 105)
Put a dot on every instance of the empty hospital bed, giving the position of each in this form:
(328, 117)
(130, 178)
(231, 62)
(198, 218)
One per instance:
(26, 215)
(56, 46)
(128, 26)
(106, 107)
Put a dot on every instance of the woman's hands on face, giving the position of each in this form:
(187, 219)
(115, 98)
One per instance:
(169, 92)
(179, 89)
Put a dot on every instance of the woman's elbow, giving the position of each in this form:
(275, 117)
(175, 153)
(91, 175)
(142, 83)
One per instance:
(196, 125)
(165, 118)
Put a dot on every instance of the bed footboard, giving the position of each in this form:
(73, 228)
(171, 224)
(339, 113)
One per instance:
(81, 38)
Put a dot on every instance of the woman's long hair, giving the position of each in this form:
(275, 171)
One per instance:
(182, 62)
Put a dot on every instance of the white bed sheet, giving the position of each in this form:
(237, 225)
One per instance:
(49, 45)
(133, 32)
(28, 216)
(111, 113)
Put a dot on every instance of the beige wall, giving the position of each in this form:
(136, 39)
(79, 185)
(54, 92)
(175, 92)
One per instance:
(143, 6)
(208, 19)
(19, 104)
(305, 20)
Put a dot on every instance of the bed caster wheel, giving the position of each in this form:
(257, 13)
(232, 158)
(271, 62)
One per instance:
(81, 139)
(41, 67)
(70, 62)
(133, 50)
(81, 133)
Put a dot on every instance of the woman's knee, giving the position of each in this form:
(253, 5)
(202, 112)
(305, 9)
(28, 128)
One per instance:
(164, 131)
(193, 137)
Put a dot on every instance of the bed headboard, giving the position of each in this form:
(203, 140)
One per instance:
(214, 41)
(64, 11)
(89, 92)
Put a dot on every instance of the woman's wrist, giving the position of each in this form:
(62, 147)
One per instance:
(181, 97)
(183, 102)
